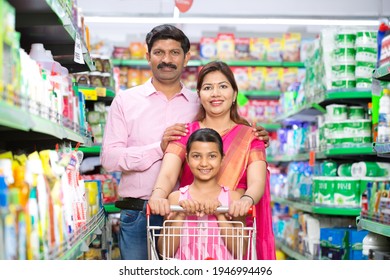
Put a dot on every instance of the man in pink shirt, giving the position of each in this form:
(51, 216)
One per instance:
(141, 122)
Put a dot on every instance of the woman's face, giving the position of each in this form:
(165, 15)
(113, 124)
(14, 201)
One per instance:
(216, 94)
(204, 160)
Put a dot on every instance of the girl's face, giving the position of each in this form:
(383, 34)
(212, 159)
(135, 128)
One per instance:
(216, 94)
(204, 160)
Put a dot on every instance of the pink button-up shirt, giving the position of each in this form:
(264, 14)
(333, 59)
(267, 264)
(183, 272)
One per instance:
(135, 125)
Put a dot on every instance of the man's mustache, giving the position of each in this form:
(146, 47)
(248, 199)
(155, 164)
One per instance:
(161, 65)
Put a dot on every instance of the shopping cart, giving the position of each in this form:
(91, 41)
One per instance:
(202, 239)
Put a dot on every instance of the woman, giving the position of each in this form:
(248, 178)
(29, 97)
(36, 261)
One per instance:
(244, 167)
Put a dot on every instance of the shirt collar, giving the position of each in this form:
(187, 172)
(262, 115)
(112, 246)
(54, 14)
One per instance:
(150, 89)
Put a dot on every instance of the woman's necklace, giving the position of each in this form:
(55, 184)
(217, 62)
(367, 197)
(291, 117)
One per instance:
(220, 131)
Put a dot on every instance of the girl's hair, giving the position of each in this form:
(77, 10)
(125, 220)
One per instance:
(227, 72)
(167, 31)
(205, 135)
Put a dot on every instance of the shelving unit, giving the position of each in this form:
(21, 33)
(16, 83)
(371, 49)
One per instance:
(21, 128)
(47, 22)
(194, 62)
(79, 242)
(290, 252)
(317, 209)
(373, 226)
(26, 129)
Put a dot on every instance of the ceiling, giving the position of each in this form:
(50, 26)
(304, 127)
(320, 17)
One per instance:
(123, 33)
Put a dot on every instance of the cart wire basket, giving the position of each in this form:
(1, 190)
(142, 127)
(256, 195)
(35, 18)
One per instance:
(198, 238)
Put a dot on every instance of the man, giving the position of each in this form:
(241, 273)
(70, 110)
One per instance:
(141, 122)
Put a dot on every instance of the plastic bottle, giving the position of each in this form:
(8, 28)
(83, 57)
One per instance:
(383, 28)
(3, 209)
(32, 227)
(384, 117)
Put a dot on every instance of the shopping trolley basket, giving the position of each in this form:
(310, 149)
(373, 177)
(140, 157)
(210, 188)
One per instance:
(199, 238)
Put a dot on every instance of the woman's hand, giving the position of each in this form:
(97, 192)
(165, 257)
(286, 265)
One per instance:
(240, 207)
(171, 133)
(261, 134)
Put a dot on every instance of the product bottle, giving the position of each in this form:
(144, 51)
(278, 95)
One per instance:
(383, 28)
(384, 117)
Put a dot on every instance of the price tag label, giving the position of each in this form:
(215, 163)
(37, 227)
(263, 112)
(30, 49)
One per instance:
(100, 91)
(78, 51)
(89, 94)
(312, 158)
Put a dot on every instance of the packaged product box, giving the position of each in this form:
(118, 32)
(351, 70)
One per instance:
(145, 75)
(337, 237)
(133, 77)
(346, 192)
(189, 77)
(225, 46)
(256, 78)
(208, 48)
(7, 43)
(307, 45)
(274, 49)
(137, 50)
(258, 48)
(289, 75)
(273, 78)
(323, 190)
(121, 53)
(356, 243)
(241, 75)
(195, 50)
(242, 48)
(291, 43)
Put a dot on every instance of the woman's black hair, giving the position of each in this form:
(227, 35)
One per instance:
(167, 31)
(205, 135)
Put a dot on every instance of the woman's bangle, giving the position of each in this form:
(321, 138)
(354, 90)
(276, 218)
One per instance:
(246, 195)
(160, 189)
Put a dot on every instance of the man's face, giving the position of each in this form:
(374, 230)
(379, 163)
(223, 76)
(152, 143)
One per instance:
(167, 60)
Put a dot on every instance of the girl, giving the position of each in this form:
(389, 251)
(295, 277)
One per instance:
(199, 232)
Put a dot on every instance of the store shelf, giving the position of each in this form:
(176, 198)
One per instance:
(350, 96)
(110, 208)
(79, 242)
(382, 73)
(96, 93)
(18, 125)
(316, 209)
(288, 158)
(382, 149)
(261, 94)
(270, 126)
(47, 22)
(290, 252)
(144, 62)
(362, 149)
(14, 117)
(373, 226)
(92, 150)
(305, 113)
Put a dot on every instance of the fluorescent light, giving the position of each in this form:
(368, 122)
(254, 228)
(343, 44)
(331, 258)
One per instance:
(228, 21)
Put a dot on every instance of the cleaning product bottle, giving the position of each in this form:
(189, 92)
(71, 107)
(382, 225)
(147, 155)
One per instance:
(383, 28)
(3, 211)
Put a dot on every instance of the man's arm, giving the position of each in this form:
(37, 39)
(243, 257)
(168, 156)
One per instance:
(115, 155)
